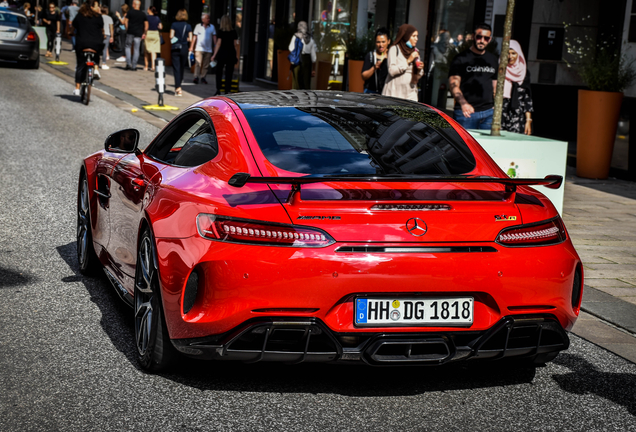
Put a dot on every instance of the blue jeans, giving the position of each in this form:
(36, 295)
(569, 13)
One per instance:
(477, 120)
(130, 40)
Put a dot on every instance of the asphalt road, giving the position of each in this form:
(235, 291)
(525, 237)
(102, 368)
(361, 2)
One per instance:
(66, 349)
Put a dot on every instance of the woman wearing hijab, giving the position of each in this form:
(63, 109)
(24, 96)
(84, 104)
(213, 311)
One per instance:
(405, 66)
(303, 72)
(517, 103)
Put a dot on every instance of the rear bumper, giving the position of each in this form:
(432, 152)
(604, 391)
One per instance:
(15, 51)
(296, 340)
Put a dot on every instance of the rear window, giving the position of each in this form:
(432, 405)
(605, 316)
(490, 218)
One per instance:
(11, 19)
(336, 140)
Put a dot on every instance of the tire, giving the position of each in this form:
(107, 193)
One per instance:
(85, 93)
(155, 352)
(86, 256)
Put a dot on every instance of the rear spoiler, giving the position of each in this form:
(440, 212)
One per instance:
(550, 181)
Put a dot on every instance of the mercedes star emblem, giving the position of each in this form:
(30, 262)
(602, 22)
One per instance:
(416, 227)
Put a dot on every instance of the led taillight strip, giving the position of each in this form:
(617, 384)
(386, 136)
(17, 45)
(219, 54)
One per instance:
(250, 232)
(530, 235)
(221, 228)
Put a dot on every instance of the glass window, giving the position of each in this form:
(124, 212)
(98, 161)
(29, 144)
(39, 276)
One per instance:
(168, 145)
(335, 140)
(12, 20)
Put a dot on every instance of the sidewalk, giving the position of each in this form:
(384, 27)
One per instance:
(138, 87)
(600, 215)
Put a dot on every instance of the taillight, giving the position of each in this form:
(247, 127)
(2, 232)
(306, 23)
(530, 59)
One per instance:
(536, 234)
(215, 227)
(31, 36)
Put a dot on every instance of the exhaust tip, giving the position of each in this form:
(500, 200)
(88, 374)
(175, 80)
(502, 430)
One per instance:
(432, 350)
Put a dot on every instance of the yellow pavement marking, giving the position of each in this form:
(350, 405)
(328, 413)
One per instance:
(57, 63)
(160, 108)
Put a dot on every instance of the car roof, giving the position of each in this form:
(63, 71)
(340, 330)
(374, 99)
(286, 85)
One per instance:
(318, 99)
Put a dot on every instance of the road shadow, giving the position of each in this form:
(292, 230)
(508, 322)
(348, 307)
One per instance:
(117, 317)
(584, 377)
(623, 188)
(343, 379)
(71, 98)
(11, 278)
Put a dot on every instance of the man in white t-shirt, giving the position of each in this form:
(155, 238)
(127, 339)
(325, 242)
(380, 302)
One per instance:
(203, 44)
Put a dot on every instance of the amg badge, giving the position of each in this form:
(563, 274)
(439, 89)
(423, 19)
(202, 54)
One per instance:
(318, 218)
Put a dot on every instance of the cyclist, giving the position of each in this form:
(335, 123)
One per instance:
(89, 26)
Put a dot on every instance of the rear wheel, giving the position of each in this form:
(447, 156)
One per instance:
(85, 93)
(86, 256)
(154, 349)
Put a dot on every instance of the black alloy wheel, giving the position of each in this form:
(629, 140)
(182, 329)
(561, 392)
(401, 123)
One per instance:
(86, 256)
(154, 349)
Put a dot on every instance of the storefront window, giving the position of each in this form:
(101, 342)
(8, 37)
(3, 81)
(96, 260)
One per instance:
(330, 26)
(452, 33)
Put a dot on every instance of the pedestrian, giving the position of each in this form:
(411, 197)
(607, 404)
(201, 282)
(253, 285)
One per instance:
(121, 29)
(225, 54)
(64, 17)
(202, 44)
(51, 20)
(26, 10)
(109, 33)
(375, 68)
(459, 39)
(473, 81)
(303, 71)
(180, 37)
(517, 103)
(89, 28)
(405, 66)
(136, 24)
(152, 44)
(73, 10)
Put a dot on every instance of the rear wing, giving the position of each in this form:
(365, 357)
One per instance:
(550, 181)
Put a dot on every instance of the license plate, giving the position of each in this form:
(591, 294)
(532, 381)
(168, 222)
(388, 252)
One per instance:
(8, 35)
(414, 312)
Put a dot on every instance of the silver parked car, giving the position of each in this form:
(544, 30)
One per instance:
(18, 40)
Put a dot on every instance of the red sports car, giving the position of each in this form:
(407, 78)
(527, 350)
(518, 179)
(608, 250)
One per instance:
(326, 227)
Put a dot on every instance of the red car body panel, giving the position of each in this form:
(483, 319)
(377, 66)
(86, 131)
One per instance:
(243, 282)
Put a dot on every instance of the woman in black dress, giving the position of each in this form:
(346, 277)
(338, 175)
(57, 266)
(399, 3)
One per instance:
(517, 104)
(180, 37)
(89, 28)
(225, 54)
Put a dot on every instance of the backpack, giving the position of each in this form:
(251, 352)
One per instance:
(294, 56)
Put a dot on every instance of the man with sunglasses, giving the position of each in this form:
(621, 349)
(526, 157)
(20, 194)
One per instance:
(473, 81)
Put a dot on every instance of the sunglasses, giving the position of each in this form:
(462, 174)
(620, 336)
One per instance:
(485, 38)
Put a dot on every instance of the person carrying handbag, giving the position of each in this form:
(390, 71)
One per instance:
(180, 37)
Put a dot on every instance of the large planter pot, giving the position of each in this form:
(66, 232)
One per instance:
(165, 49)
(356, 83)
(284, 71)
(323, 71)
(596, 132)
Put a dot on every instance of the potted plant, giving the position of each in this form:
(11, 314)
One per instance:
(357, 48)
(606, 73)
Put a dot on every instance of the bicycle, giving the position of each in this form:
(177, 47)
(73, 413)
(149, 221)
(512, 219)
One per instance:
(85, 86)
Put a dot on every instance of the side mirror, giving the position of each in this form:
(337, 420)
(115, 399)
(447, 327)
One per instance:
(124, 141)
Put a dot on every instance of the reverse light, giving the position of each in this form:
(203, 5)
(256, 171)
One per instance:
(423, 207)
(536, 234)
(221, 228)
(31, 36)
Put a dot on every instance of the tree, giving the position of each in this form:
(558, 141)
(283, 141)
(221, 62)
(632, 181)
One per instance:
(501, 75)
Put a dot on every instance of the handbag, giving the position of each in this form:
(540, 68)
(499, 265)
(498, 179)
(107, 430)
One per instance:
(178, 46)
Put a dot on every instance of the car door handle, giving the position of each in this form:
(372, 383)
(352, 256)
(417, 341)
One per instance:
(102, 194)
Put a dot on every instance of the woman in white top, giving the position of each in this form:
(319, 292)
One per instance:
(303, 71)
(405, 66)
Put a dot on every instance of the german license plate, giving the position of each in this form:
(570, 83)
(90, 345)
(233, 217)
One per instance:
(7, 34)
(414, 312)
